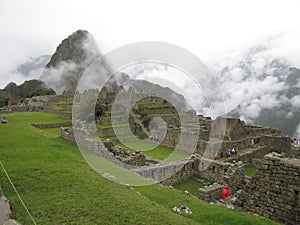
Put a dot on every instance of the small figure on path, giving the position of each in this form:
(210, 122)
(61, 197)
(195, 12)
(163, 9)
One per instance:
(226, 194)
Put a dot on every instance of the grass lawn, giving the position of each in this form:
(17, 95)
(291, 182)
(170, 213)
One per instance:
(59, 187)
(48, 133)
(190, 184)
(153, 150)
(250, 170)
(202, 212)
(157, 152)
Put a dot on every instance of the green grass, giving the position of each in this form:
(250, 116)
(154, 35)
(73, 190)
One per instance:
(116, 117)
(191, 185)
(100, 125)
(64, 103)
(155, 151)
(150, 103)
(158, 152)
(250, 170)
(59, 108)
(202, 212)
(48, 133)
(59, 187)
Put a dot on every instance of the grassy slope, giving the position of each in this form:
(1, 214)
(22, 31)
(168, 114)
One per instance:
(158, 152)
(59, 187)
(202, 212)
(191, 185)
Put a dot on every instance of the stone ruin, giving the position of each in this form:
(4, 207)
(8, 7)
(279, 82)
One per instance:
(183, 209)
(275, 182)
(125, 156)
(109, 150)
(211, 193)
(273, 191)
(223, 173)
(5, 211)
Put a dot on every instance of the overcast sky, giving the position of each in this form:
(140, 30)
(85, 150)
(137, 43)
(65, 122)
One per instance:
(207, 28)
(219, 32)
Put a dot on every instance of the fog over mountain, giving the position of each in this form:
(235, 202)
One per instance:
(30, 69)
(260, 85)
(33, 67)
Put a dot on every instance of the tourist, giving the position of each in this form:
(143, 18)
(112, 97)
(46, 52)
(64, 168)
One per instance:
(228, 153)
(233, 152)
(226, 195)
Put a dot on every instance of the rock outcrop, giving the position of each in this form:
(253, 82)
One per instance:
(69, 61)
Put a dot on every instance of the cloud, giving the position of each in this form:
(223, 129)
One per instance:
(66, 74)
(255, 79)
(297, 131)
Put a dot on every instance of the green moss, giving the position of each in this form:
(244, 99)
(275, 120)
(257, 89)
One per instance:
(250, 170)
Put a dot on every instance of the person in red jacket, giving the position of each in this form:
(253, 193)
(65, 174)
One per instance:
(226, 194)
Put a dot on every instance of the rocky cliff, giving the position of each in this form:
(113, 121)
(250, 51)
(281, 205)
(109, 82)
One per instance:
(71, 58)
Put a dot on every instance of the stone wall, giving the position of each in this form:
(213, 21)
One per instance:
(211, 192)
(276, 143)
(53, 125)
(67, 134)
(25, 108)
(95, 146)
(107, 120)
(135, 159)
(293, 153)
(222, 146)
(109, 131)
(274, 190)
(248, 157)
(168, 173)
(172, 136)
(188, 170)
(256, 131)
(223, 173)
(45, 99)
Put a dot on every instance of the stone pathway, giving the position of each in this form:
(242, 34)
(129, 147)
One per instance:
(5, 211)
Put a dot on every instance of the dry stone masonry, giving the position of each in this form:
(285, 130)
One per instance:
(274, 190)
(5, 211)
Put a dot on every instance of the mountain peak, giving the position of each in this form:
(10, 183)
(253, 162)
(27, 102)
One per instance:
(71, 58)
(70, 49)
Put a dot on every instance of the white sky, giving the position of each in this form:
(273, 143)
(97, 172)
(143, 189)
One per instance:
(207, 28)
(217, 31)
